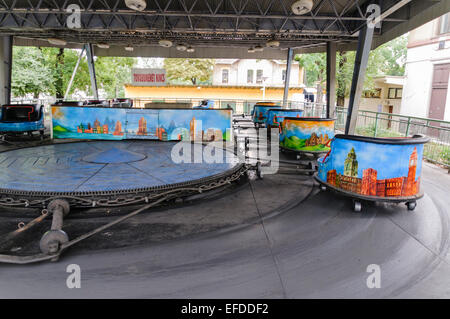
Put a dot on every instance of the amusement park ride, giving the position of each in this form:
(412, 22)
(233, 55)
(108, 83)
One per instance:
(102, 155)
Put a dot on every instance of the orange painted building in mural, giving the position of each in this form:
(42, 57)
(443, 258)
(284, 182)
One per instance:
(369, 185)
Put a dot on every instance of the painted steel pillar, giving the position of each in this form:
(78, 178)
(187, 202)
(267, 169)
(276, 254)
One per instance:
(288, 76)
(359, 74)
(331, 80)
(90, 58)
(6, 45)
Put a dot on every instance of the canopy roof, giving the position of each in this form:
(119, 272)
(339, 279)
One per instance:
(215, 28)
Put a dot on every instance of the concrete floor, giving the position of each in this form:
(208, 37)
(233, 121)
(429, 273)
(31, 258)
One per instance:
(313, 247)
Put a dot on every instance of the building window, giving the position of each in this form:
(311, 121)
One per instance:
(395, 93)
(372, 94)
(250, 76)
(225, 74)
(444, 26)
(259, 76)
(283, 75)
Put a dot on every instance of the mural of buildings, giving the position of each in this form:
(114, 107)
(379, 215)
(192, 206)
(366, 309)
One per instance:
(369, 185)
(142, 130)
(162, 124)
(351, 164)
(118, 130)
(315, 140)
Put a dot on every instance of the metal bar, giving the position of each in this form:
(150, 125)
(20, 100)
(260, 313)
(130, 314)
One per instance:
(90, 57)
(331, 79)
(231, 15)
(5, 69)
(73, 74)
(359, 73)
(287, 80)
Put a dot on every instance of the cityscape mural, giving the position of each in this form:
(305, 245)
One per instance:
(260, 113)
(161, 124)
(370, 169)
(276, 117)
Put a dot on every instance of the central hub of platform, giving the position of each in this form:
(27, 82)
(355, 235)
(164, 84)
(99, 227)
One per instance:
(114, 155)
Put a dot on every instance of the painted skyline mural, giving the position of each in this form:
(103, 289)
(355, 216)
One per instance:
(276, 117)
(306, 135)
(161, 124)
(370, 169)
(260, 113)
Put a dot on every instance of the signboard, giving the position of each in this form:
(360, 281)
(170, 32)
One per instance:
(148, 77)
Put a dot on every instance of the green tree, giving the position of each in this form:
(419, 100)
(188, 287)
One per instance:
(113, 73)
(315, 65)
(30, 73)
(48, 70)
(387, 59)
(189, 70)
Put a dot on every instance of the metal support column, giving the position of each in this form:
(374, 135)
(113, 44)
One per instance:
(288, 76)
(90, 58)
(6, 46)
(359, 74)
(331, 79)
(74, 73)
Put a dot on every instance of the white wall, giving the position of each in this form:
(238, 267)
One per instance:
(423, 54)
(380, 104)
(271, 69)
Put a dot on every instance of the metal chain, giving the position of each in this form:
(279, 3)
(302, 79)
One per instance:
(123, 199)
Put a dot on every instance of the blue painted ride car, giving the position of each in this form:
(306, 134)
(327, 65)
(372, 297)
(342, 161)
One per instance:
(22, 118)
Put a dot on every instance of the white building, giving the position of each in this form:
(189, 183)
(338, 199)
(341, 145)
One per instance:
(386, 96)
(426, 92)
(252, 72)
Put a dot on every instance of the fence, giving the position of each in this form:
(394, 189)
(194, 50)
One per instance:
(378, 124)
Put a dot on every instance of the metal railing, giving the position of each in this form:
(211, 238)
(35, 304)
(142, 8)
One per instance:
(379, 124)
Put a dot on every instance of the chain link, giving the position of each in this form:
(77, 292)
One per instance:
(118, 200)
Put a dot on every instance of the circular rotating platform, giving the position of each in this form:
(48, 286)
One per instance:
(105, 166)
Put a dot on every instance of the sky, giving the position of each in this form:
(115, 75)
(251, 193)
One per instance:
(388, 160)
(308, 127)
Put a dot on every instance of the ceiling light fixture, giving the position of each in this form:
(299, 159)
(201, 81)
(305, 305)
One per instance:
(302, 7)
(259, 48)
(165, 43)
(103, 45)
(138, 5)
(56, 41)
(181, 47)
(273, 44)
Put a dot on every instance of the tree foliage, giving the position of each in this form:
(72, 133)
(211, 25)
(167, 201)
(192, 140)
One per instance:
(387, 59)
(48, 70)
(192, 71)
(31, 73)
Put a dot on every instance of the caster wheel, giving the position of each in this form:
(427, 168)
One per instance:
(411, 205)
(52, 240)
(323, 188)
(357, 206)
(259, 170)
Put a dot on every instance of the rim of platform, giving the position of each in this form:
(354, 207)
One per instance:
(22, 198)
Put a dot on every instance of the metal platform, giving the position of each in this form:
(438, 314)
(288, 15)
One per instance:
(104, 168)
